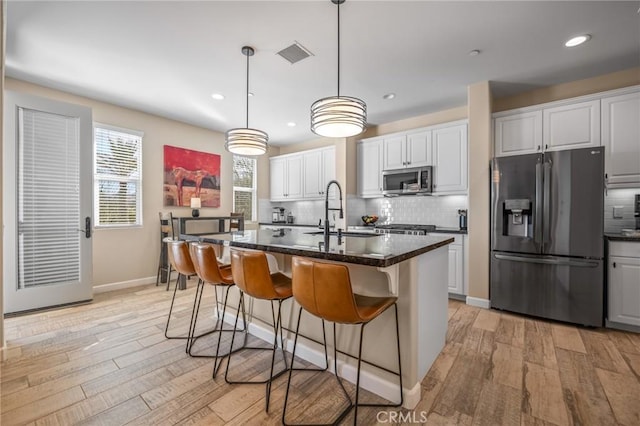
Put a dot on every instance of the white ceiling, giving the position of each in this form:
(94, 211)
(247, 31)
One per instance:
(168, 57)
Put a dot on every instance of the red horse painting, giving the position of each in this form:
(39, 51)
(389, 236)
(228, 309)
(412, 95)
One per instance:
(189, 174)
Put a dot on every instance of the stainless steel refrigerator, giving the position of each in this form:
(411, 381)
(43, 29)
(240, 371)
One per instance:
(547, 244)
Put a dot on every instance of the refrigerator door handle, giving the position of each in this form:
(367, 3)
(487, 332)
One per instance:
(537, 220)
(546, 214)
(548, 260)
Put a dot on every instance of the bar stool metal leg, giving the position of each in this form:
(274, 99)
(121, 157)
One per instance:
(277, 330)
(166, 329)
(352, 404)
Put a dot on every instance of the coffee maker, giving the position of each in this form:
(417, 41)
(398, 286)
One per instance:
(277, 216)
(636, 213)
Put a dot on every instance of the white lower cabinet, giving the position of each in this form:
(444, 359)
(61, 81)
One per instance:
(456, 282)
(624, 283)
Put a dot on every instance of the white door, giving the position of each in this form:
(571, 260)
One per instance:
(47, 194)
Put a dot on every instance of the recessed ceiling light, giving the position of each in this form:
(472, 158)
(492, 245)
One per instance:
(578, 40)
(291, 124)
(389, 96)
(217, 96)
(250, 94)
(474, 52)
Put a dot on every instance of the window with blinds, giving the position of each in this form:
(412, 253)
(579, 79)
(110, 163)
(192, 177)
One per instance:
(48, 199)
(117, 176)
(244, 186)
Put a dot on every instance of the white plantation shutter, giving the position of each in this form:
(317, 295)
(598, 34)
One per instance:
(48, 204)
(118, 177)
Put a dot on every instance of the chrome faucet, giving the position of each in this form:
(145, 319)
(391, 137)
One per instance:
(326, 211)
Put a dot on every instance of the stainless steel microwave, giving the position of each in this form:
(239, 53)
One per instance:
(412, 181)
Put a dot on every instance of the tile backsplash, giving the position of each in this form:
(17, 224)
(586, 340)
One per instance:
(622, 200)
(439, 211)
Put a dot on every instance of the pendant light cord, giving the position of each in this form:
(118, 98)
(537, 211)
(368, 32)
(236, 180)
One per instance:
(247, 94)
(338, 49)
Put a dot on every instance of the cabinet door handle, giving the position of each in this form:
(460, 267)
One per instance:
(538, 147)
(408, 163)
(546, 146)
(614, 264)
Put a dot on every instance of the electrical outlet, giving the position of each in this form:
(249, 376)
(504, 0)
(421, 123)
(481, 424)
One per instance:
(618, 212)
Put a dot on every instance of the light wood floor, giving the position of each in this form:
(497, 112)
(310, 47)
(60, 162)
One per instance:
(109, 363)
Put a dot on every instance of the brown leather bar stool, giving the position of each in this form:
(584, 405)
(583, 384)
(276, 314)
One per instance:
(210, 272)
(324, 290)
(180, 261)
(251, 274)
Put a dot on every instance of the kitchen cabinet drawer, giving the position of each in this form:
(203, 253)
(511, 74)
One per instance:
(624, 248)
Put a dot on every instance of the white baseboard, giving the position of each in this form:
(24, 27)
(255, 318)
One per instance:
(480, 303)
(103, 288)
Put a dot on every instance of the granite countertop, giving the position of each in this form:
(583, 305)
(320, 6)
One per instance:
(438, 229)
(620, 237)
(372, 250)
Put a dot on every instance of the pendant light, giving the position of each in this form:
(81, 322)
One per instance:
(246, 141)
(338, 116)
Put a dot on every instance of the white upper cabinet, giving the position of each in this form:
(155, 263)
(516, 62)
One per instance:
(621, 139)
(571, 126)
(369, 154)
(450, 159)
(312, 174)
(518, 133)
(286, 178)
(329, 171)
(419, 149)
(407, 150)
(443, 146)
(303, 175)
(551, 127)
(294, 177)
(319, 169)
(278, 183)
(395, 152)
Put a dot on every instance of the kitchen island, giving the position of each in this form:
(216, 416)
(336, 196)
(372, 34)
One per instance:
(413, 268)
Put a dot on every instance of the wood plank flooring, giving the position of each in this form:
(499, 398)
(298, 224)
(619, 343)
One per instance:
(108, 363)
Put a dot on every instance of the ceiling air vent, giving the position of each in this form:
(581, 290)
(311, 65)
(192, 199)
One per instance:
(294, 53)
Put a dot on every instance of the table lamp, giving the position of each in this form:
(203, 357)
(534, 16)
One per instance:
(195, 205)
